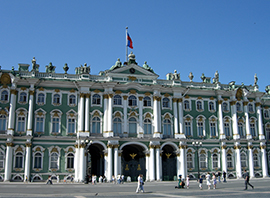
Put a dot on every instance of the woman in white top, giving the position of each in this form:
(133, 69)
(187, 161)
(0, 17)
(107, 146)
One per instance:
(208, 178)
(140, 184)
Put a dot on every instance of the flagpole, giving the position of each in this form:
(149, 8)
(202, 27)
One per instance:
(126, 45)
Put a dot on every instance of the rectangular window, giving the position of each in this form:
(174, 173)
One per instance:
(213, 129)
(200, 128)
(55, 125)
(39, 124)
(227, 129)
(187, 129)
(21, 123)
(252, 129)
(71, 125)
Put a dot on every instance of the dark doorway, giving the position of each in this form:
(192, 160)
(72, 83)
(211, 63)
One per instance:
(95, 160)
(168, 163)
(133, 161)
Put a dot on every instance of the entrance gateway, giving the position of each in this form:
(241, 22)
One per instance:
(133, 161)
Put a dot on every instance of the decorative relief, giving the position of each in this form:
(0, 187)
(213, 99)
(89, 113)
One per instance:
(118, 92)
(96, 91)
(132, 91)
(133, 155)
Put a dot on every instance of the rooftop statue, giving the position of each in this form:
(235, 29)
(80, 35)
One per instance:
(173, 76)
(82, 69)
(131, 58)
(145, 66)
(118, 64)
(66, 68)
(255, 80)
(35, 66)
(50, 68)
(190, 76)
(232, 85)
(216, 78)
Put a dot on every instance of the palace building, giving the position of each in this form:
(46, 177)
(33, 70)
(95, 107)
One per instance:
(127, 121)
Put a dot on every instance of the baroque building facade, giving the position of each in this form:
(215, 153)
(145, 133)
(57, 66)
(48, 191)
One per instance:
(128, 121)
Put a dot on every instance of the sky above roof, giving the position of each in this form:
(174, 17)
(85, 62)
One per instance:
(228, 36)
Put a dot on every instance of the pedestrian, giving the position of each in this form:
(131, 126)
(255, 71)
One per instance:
(49, 180)
(224, 176)
(57, 178)
(246, 177)
(200, 180)
(140, 184)
(214, 180)
(208, 183)
(100, 179)
(219, 174)
(25, 181)
(181, 183)
(122, 179)
(187, 182)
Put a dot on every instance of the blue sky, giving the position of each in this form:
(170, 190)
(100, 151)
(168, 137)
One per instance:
(199, 36)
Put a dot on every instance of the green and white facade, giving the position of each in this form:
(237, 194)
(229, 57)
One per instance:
(128, 121)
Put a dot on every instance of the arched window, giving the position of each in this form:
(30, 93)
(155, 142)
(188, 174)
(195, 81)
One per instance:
(256, 160)
(56, 99)
(41, 98)
(4, 95)
(72, 100)
(71, 125)
(167, 127)
(238, 107)
(132, 125)
(203, 162)
(166, 102)
(3, 123)
(189, 161)
(96, 125)
(211, 106)
(2, 159)
(38, 160)
(147, 101)
(241, 130)
(243, 160)
(266, 113)
(21, 123)
(132, 101)
(117, 126)
(215, 160)
(225, 107)
(117, 100)
(229, 161)
(54, 161)
(147, 126)
(250, 108)
(19, 160)
(199, 105)
(23, 97)
(186, 105)
(70, 161)
(96, 99)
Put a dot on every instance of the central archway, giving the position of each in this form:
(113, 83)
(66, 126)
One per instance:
(168, 163)
(133, 161)
(95, 160)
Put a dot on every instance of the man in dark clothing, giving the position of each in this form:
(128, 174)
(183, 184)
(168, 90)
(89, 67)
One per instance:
(246, 177)
(224, 176)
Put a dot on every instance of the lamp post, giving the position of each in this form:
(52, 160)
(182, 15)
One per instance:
(197, 145)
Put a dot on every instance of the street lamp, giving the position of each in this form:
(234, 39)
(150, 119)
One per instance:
(197, 145)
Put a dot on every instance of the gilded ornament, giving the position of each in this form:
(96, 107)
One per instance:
(133, 155)
(5, 79)
(168, 155)
(132, 91)
(118, 92)
(126, 167)
(139, 167)
(140, 98)
(96, 91)
(125, 97)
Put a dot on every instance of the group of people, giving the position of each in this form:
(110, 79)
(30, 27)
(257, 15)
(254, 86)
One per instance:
(118, 180)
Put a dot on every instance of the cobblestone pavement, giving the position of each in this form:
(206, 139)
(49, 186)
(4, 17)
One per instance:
(233, 188)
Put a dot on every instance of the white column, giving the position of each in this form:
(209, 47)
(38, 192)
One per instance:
(260, 121)
(125, 114)
(152, 163)
(76, 164)
(160, 165)
(181, 120)
(110, 103)
(175, 114)
(105, 116)
(234, 121)
(264, 160)
(27, 162)
(116, 160)
(82, 163)
(159, 118)
(106, 165)
(250, 160)
(110, 164)
(147, 155)
(224, 156)
(12, 108)
(87, 113)
(119, 162)
(178, 164)
(30, 114)
(238, 159)
(8, 162)
(220, 119)
(158, 162)
(140, 117)
(248, 135)
(155, 113)
(81, 113)
(183, 170)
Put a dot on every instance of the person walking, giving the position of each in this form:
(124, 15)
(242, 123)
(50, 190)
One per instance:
(224, 176)
(208, 183)
(246, 177)
(140, 184)
(187, 182)
(200, 180)
(214, 180)
(219, 175)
